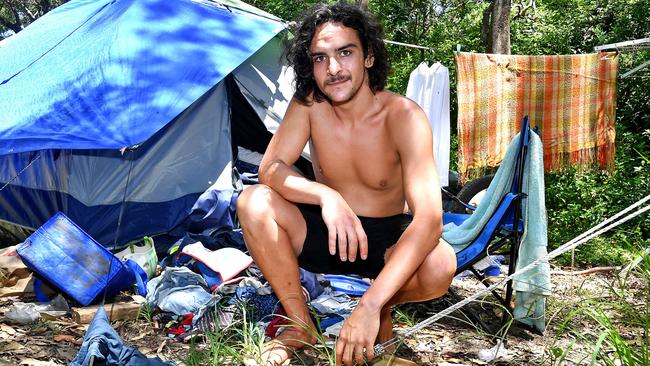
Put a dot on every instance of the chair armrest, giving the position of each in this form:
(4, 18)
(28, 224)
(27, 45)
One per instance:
(457, 200)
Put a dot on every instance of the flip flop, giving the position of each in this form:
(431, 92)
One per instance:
(347, 284)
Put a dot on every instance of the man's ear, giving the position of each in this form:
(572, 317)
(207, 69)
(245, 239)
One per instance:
(369, 61)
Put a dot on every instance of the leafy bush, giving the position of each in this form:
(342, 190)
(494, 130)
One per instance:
(577, 201)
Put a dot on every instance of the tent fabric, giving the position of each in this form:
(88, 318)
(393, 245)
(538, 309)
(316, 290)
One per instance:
(267, 88)
(93, 77)
(165, 177)
(109, 74)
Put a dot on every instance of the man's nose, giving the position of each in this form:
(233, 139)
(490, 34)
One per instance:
(333, 67)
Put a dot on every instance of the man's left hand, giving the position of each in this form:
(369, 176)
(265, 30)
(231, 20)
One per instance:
(357, 337)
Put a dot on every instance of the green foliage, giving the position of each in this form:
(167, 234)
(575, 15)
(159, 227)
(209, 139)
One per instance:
(17, 14)
(232, 345)
(289, 10)
(577, 200)
(144, 312)
(221, 349)
(402, 315)
(616, 325)
(439, 25)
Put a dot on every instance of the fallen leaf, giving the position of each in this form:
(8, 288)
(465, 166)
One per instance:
(67, 354)
(162, 345)
(35, 362)
(64, 337)
(139, 337)
(10, 346)
(39, 330)
(7, 329)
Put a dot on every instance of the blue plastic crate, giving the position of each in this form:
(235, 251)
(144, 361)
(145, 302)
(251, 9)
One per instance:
(61, 253)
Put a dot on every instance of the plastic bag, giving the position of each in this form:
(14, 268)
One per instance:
(29, 312)
(144, 255)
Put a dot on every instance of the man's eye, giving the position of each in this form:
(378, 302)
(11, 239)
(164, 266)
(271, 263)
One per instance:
(345, 53)
(318, 59)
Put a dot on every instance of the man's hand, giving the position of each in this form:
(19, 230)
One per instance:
(357, 337)
(344, 229)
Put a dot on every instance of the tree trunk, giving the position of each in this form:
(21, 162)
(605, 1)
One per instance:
(499, 39)
(486, 40)
(14, 26)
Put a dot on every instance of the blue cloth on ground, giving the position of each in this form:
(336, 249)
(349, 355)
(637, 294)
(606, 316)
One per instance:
(328, 321)
(309, 281)
(533, 286)
(104, 344)
(214, 209)
(178, 290)
(258, 305)
(333, 302)
(350, 285)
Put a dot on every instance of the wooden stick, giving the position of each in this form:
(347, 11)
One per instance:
(586, 271)
(116, 311)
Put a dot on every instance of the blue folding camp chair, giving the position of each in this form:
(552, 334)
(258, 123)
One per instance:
(498, 231)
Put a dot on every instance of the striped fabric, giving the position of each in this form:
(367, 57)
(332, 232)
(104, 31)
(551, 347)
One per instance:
(571, 98)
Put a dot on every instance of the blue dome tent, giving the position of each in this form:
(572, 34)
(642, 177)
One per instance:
(121, 112)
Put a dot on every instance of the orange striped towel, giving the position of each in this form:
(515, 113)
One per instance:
(571, 98)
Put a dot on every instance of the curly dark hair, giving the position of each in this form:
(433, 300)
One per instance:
(369, 31)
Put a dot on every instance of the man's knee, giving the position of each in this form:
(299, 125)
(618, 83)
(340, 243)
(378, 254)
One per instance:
(446, 262)
(440, 268)
(254, 203)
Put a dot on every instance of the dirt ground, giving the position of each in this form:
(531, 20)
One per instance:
(450, 341)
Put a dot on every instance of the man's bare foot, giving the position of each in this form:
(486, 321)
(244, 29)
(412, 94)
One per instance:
(279, 350)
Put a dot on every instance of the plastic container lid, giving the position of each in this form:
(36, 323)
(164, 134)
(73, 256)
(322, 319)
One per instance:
(491, 271)
(347, 284)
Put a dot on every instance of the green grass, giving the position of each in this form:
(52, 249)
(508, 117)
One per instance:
(617, 325)
(145, 312)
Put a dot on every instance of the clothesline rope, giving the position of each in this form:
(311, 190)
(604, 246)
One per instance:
(580, 239)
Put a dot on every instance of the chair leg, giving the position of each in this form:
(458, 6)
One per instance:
(482, 279)
(507, 312)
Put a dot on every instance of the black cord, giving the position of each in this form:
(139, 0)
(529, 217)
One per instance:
(31, 161)
(130, 150)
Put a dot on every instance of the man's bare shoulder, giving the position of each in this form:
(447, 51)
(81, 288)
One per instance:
(310, 105)
(402, 111)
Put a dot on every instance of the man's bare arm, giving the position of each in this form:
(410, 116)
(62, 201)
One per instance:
(284, 149)
(422, 190)
(412, 136)
(345, 232)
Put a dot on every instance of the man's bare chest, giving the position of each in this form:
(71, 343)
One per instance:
(360, 156)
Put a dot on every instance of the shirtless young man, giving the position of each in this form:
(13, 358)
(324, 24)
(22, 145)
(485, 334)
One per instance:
(371, 152)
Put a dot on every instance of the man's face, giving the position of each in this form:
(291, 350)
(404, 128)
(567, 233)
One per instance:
(339, 65)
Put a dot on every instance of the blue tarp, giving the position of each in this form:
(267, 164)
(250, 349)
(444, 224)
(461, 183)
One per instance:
(108, 74)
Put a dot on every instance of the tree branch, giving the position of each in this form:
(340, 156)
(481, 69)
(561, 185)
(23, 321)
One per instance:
(522, 9)
(15, 26)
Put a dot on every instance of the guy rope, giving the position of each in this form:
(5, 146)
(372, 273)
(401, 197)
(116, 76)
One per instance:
(573, 243)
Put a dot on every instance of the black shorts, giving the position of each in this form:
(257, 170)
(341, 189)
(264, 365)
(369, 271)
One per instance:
(382, 233)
